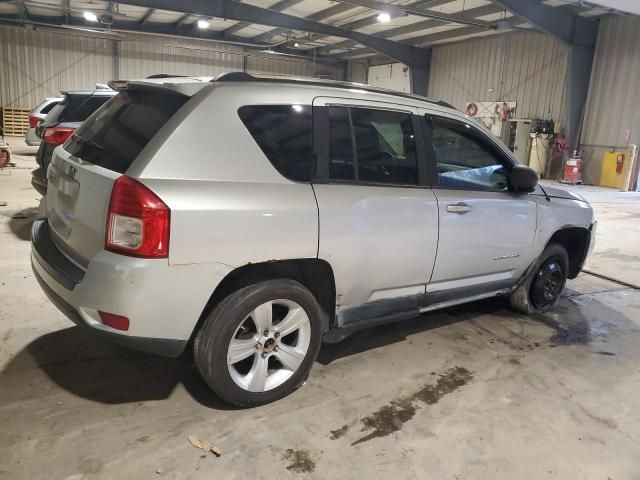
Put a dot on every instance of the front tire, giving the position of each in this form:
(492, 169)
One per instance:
(258, 344)
(541, 290)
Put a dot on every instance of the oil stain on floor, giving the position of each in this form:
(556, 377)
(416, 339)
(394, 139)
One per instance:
(391, 417)
(300, 461)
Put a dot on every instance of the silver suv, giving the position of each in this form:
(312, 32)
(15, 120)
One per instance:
(256, 217)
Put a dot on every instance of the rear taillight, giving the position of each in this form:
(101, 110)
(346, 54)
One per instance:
(57, 135)
(33, 121)
(137, 221)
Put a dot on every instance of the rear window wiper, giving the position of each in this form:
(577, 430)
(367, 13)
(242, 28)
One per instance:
(86, 141)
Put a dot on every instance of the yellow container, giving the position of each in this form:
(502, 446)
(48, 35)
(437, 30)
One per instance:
(616, 170)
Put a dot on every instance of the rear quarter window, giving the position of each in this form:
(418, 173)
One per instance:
(283, 133)
(47, 108)
(117, 133)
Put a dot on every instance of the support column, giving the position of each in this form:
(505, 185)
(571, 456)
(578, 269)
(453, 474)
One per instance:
(419, 73)
(577, 84)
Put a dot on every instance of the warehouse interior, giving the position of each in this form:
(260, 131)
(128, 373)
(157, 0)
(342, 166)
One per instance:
(545, 396)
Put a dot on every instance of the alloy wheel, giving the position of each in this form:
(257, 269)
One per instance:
(269, 345)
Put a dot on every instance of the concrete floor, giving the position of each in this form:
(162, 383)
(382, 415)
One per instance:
(472, 392)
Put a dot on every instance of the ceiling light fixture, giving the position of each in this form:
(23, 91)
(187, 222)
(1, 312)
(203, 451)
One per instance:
(384, 17)
(203, 24)
(90, 17)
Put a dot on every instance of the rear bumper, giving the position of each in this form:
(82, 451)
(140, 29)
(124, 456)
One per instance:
(31, 138)
(39, 180)
(159, 346)
(163, 303)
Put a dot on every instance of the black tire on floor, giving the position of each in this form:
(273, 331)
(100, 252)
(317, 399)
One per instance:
(5, 157)
(529, 297)
(212, 341)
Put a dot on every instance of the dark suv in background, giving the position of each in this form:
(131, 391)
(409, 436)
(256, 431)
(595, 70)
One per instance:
(61, 122)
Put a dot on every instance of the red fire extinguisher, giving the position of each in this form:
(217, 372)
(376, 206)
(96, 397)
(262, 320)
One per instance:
(619, 163)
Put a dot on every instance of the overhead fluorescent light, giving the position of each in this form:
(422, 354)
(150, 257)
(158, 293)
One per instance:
(90, 17)
(203, 24)
(384, 17)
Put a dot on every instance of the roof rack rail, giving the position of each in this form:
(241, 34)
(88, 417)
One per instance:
(246, 77)
(165, 75)
(442, 103)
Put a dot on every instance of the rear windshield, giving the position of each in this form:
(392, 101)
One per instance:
(76, 108)
(115, 135)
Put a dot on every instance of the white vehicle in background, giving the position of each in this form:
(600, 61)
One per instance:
(36, 116)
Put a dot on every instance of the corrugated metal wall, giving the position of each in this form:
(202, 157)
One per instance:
(39, 63)
(527, 68)
(357, 72)
(613, 104)
(35, 64)
(143, 55)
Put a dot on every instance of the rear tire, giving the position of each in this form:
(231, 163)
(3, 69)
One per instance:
(259, 343)
(541, 290)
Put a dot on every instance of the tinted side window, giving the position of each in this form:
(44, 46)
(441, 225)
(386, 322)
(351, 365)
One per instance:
(283, 133)
(48, 108)
(386, 149)
(465, 159)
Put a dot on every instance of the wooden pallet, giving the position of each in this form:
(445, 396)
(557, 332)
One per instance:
(15, 121)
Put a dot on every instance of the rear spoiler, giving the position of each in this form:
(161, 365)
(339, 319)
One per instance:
(186, 86)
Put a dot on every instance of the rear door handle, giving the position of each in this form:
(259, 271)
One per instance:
(459, 208)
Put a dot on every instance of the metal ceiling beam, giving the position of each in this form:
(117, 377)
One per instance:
(416, 27)
(402, 10)
(432, 38)
(565, 26)
(249, 13)
(277, 7)
(146, 16)
(22, 8)
(580, 35)
(316, 17)
(183, 20)
(361, 23)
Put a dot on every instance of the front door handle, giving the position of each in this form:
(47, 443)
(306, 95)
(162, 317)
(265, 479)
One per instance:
(459, 208)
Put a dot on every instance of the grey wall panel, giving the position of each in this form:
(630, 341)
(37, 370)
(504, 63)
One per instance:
(39, 63)
(525, 67)
(290, 66)
(612, 107)
(143, 55)
(357, 72)
(614, 93)
(35, 64)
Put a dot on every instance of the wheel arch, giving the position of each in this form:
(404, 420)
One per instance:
(315, 274)
(576, 241)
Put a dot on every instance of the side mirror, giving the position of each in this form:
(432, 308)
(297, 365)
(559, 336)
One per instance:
(523, 179)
